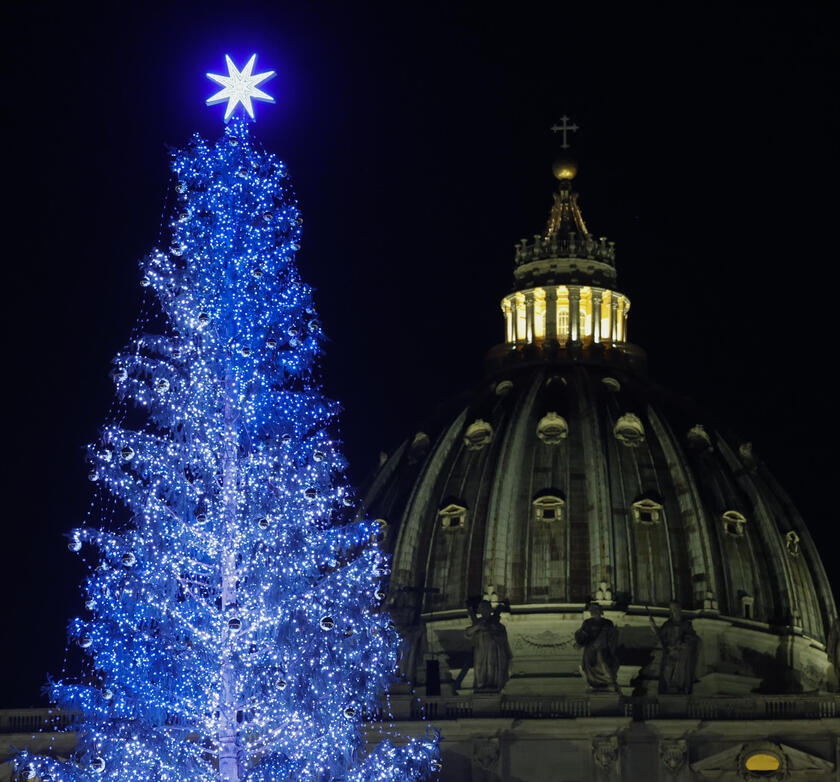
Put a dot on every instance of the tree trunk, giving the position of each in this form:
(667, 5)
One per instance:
(228, 749)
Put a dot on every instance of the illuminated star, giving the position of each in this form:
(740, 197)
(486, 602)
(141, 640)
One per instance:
(240, 87)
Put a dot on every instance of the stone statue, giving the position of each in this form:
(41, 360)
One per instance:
(405, 610)
(679, 652)
(833, 653)
(599, 638)
(491, 651)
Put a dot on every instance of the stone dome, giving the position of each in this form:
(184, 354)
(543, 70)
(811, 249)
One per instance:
(567, 477)
(646, 500)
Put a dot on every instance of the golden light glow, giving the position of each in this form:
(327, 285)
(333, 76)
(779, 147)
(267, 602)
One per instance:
(605, 316)
(564, 168)
(762, 761)
(527, 315)
(539, 313)
(519, 317)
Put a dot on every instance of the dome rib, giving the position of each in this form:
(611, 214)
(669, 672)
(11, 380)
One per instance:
(497, 542)
(690, 506)
(412, 522)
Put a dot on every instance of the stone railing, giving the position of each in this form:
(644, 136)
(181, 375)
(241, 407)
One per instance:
(773, 707)
(572, 246)
(33, 720)
(453, 707)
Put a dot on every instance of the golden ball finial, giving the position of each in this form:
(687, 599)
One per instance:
(564, 168)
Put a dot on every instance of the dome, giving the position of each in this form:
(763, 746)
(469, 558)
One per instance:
(653, 503)
(567, 477)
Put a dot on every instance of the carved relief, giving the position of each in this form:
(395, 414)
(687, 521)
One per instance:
(629, 430)
(478, 434)
(552, 429)
(603, 594)
(605, 752)
(546, 642)
(673, 755)
(486, 753)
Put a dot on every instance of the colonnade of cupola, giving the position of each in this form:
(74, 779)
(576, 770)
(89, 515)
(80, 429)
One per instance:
(564, 281)
(566, 315)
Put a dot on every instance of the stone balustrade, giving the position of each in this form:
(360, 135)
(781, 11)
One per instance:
(571, 246)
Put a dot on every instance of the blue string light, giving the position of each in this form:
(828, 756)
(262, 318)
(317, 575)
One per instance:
(233, 628)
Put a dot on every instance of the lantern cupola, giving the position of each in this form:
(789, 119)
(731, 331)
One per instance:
(564, 293)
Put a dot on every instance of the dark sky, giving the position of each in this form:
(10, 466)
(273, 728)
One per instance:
(418, 142)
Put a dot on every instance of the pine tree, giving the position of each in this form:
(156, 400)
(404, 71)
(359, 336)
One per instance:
(234, 629)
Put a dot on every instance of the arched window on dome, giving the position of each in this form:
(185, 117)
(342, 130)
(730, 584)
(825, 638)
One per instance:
(478, 434)
(733, 523)
(792, 543)
(548, 507)
(419, 447)
(552, 428)
(647, 510)
(629, 430)
(452, 516)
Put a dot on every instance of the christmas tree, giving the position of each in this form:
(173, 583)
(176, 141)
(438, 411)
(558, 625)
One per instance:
(233, 627)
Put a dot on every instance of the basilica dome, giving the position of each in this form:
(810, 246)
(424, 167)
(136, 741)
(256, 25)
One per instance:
(567, 477)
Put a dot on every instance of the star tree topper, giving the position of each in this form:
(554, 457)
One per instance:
(240, 87)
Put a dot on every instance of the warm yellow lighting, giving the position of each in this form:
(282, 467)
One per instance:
(527, 314)
(762, 761)
(539, 314)
(564, 168)
(519, 319)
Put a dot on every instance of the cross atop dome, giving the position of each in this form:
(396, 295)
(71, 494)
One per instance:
(565, 129)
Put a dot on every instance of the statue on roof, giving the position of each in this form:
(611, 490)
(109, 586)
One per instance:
(680, 644)
(598, 637)
(491, 651)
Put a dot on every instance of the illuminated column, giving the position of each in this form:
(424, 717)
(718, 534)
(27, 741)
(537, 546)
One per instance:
(509, 332)
(624, 309)
(613, 317)
(551, 314)
(529, 316)
(596, 316)
(574, 313)
(515, 314)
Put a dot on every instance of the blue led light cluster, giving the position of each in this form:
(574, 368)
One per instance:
(233, 627)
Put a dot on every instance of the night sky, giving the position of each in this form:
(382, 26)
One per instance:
(419, 146)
